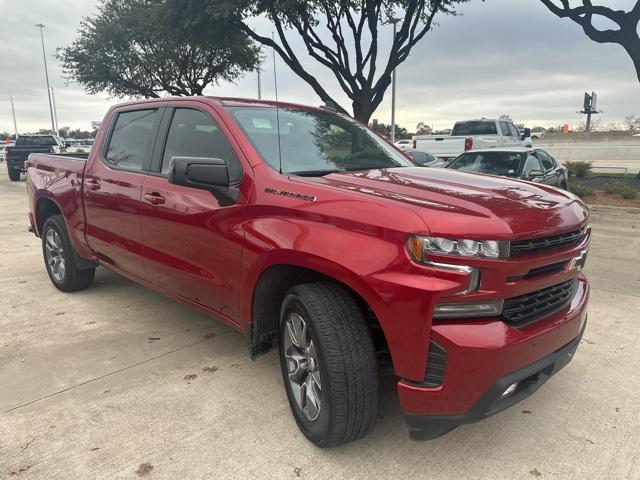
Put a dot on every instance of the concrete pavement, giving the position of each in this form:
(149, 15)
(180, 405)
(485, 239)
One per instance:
(98, 383)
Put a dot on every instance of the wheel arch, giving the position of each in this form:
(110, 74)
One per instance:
(275, 280)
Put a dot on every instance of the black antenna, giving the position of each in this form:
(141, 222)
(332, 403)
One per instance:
(275, 80)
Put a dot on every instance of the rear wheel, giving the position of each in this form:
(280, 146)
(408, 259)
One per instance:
(14, 175)
(60, 259)
(328, 364)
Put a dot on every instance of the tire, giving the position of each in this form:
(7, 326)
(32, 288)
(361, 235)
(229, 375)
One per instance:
(340, 354)
(14, 175)
(60, 259)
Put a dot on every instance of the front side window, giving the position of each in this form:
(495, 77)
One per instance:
(547, 161)
(195, 134)
(532, 164)
(492, 163)
(505, 129)
(313, 143)
(513, 130)
(132, 139)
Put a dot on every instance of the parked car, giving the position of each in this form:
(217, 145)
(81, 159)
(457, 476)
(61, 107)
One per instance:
(525, 163)
(307, 232)
(425, 159)
(25, 145)
(404, 144)
(473, 135)
(538, 134)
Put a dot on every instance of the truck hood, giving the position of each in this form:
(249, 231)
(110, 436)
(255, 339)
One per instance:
(476, 206)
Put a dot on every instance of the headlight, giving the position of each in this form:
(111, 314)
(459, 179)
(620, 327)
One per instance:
(419, 247)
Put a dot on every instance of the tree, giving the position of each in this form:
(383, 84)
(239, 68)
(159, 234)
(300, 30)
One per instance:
(626, 35)
(506, 118)
(384, 129)
(342, 36)
(423, 129)
(141, 48)
(632, 122)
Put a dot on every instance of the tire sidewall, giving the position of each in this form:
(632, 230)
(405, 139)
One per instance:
(54, 223)
(316, 431)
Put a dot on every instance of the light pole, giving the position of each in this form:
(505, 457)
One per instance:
(55, 109)
(259, 85)
(13, 114)
(46, 74)
(393, 87)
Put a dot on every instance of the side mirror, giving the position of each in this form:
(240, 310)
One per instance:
(206, 174)
(526, 133)
(533, 174)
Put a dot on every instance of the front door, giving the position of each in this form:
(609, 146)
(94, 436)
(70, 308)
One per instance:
(112, 189)
(192, 244)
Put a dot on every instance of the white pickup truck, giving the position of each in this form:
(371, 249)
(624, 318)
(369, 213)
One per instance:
(472, 135)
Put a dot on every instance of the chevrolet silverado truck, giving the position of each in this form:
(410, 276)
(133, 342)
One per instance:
(16, 155)
(308, 233)
(473, 135)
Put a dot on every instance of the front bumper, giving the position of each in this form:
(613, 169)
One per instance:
(529, 379)
(486, 357)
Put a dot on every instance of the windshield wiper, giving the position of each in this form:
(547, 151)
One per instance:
(314, 173)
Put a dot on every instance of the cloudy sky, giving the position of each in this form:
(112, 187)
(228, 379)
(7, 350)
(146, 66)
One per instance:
(498, 57)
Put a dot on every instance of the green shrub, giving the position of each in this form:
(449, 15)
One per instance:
(580, 190)
(578, 169)
(625, 191)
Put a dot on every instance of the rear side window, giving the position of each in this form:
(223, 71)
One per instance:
(195, 134)
(132, 139)
(476, 127)
(36, 141)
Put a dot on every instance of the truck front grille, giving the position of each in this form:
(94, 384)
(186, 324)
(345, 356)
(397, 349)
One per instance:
(544, 244)
(534, 306)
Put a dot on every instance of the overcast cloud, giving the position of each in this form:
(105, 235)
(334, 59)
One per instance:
(499, 57)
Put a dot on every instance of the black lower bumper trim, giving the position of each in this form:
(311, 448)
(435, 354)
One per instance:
(529, 379)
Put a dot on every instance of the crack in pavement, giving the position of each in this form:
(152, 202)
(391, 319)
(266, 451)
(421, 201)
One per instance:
(110, 373)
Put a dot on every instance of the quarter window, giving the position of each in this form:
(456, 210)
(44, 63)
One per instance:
(195, 134)
(132, 139)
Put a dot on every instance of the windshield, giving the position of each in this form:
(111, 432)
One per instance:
(506, 164)
(315, 143)
(479, 127)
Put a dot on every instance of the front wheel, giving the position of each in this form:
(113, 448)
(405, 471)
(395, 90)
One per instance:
(14, 175)
(328, 364)
(60, 260)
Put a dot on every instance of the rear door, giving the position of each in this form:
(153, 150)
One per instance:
(192, 246)
(112, 188)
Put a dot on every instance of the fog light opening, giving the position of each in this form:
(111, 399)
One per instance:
(510, 390)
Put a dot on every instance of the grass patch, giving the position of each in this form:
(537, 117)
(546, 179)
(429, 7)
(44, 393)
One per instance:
(580, 190)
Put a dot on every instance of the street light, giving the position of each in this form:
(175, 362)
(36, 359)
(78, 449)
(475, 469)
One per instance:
(13, 114)
(46, 74)
(395, 22)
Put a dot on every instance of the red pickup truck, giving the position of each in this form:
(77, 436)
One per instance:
(305, 231)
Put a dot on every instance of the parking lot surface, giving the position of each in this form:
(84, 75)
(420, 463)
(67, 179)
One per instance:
(119, 382)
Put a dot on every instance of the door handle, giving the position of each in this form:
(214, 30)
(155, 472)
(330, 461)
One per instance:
(154, 198)
(92, 184)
